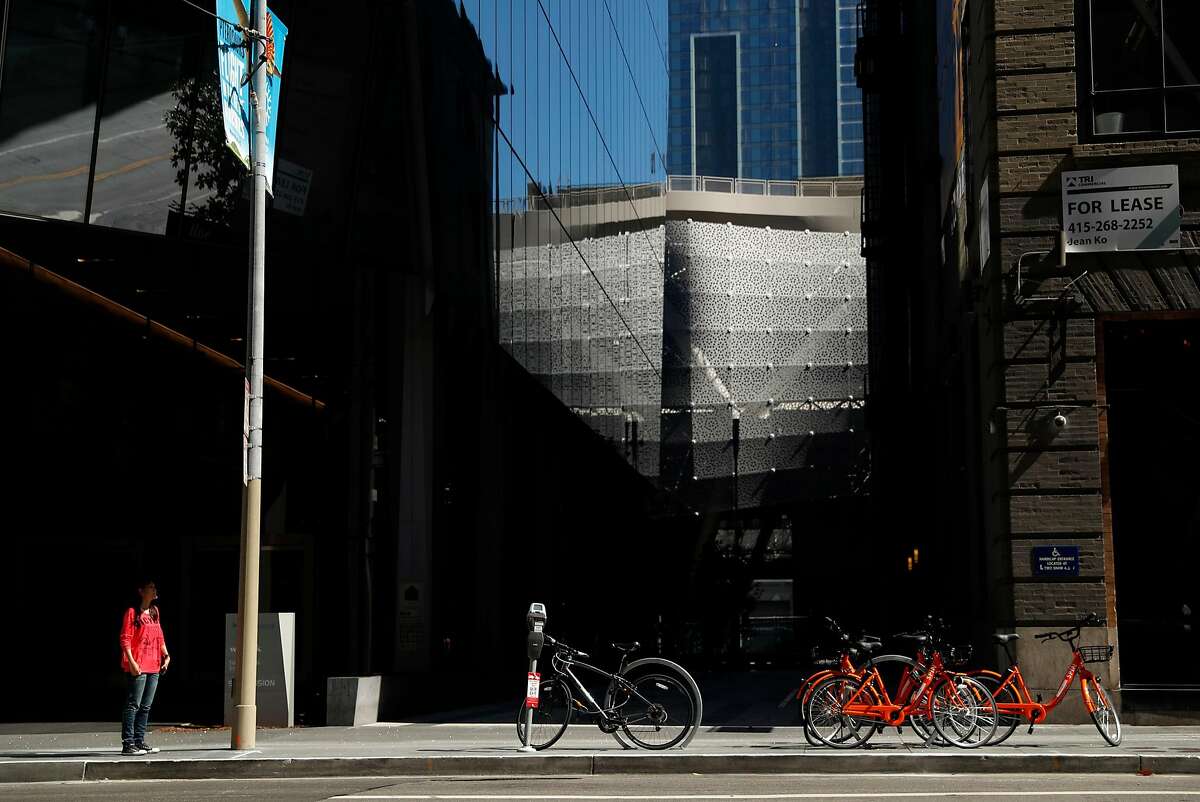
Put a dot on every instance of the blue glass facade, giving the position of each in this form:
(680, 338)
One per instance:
(790, 85)
(849, 96)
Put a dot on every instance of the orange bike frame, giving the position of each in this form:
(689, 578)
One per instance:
(844, 667)
(1036, 712)
(884, 709)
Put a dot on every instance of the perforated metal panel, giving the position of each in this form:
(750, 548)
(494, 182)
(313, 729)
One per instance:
(586, 320)
(684, 327)
(775, 336)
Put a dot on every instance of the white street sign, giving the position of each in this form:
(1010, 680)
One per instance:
(1121, 209)
(291, 187)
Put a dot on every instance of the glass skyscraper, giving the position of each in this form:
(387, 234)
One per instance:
(763, 89)
(850, 113)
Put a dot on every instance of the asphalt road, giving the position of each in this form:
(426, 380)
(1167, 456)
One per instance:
(618, 787)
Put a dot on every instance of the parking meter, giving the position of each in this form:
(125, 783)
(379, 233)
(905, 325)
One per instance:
(535, 622)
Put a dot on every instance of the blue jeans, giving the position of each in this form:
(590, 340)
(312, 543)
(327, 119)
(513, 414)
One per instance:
(137, 708)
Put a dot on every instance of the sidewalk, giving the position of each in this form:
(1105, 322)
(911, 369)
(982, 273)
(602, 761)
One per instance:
(57, 752)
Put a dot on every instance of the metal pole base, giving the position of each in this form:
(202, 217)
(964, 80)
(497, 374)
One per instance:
(244, 719)
(527, 730)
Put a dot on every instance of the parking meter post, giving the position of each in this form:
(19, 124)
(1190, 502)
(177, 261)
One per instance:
(527, 728)
(535, 623)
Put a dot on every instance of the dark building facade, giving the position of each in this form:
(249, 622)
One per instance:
(1056, 369)
(410, 466)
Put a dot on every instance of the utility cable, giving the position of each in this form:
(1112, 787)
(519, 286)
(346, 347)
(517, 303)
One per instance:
(579, 252)
(596, 125)
(244, 28)
(657, 38)
(634, 82)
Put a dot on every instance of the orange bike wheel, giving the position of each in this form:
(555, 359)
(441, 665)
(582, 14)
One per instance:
(827, 722)
(1104, 715)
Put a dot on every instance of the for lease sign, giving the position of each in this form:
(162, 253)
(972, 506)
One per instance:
(1121, 209)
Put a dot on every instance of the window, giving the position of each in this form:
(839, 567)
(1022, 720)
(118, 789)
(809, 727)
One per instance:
(1142, 75)
(716, 105)
(98, 100)
(51, 83)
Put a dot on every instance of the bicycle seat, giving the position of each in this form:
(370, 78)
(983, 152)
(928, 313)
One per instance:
(631, 646)
(868, 646)
(1005, 637)
(913, 636)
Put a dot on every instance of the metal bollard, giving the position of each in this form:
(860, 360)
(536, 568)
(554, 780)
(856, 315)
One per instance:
(535, 622)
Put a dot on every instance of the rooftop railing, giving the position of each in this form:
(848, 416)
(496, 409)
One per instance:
(835, 187)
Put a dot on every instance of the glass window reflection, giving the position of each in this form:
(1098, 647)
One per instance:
(154, 50)
(48, 108)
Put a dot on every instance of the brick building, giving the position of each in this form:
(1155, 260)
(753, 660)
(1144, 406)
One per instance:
(1031, 382)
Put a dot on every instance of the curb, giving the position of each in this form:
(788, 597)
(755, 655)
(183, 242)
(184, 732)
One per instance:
(595, 764)
(42, 771)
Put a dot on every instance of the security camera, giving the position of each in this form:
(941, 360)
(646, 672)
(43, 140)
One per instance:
(1050, 427)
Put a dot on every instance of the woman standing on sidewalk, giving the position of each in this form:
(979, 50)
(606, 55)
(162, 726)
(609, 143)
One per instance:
(143, 656)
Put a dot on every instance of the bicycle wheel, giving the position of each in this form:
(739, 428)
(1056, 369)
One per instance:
(826, 720)
(805, 689)
(550, 717)
(658, 713)
(1007, 722)
(922, 727)
(803, 696)
(963, 711)
(1104, 715)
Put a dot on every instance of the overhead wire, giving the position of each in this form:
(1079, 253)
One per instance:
(575, 245)
(575, 141)
(621, 45)
(603, 141)
(657, 38)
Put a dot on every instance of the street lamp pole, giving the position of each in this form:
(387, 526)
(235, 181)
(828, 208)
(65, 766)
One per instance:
(245, 713)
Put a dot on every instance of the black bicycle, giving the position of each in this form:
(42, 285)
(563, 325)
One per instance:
(653, 702)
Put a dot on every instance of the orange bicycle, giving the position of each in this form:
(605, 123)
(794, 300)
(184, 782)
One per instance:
(1014, 702)
(843, 665)
(845, 710)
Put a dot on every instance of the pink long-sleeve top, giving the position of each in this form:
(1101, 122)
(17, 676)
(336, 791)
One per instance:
(145, 642)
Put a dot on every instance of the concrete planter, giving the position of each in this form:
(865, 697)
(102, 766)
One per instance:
(351, 701)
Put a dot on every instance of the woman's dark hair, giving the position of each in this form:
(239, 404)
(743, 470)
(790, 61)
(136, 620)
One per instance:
(137, 605)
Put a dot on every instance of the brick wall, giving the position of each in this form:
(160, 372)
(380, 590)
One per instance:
(1052, 493)
(1053, 486)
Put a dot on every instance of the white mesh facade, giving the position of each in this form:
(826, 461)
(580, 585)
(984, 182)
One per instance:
(587, 319)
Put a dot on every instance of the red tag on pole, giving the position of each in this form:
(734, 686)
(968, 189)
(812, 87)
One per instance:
(532, 686)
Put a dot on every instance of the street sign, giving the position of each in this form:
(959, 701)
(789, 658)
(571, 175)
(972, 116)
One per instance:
(235, 79)
(1055, 560)
(291, 187)
(1121, 209)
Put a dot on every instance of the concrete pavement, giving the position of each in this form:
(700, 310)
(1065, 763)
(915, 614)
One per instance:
(33, 753)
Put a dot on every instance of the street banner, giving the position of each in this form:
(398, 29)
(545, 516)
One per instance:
(1121, 209)
(232, 57)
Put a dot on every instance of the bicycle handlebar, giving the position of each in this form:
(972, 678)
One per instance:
(1090, 619)
(561, 647)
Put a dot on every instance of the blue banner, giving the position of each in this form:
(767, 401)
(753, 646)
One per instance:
(232, 60)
